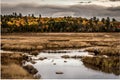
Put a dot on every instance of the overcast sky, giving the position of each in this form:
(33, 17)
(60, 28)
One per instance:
(56, 8)
(66, 2)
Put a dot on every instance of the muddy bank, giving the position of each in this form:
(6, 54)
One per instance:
(12, 62)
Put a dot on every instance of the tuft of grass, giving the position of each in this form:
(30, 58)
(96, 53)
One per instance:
(65, 56)
(35, 53)
(75, 56)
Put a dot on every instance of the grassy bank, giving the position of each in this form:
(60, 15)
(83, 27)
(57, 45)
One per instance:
(109, 51)
(11, 66)
(108, 65)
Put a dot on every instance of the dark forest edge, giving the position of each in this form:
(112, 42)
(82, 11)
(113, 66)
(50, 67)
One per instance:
(18, 23)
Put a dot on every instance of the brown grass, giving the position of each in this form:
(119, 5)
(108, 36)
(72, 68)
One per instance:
(109, 65)
(110, 51)
(75, 56)
(107, 43)
(14, 71)
(11, 66)
(21, 47)
(8, 58)
(63, 45)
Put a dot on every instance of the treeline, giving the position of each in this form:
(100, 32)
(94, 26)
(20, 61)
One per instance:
(19, 23)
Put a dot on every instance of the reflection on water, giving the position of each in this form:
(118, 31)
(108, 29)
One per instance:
(71, 68)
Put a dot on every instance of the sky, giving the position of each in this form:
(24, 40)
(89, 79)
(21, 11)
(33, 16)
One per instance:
(107, 3)
(59, 8)
(44, 2)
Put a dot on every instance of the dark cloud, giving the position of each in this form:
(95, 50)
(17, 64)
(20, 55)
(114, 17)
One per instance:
(114, 0)
(55, 11)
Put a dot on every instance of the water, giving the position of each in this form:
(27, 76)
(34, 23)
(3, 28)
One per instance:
(72, 68)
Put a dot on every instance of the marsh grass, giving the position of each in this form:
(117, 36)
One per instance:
(63, 45)
(109, 51)
(109, 65)
(40, 41)
(11, 66)
(8, 58)
(14, 71)
(75, 56)
(21, 47)
(103, 43)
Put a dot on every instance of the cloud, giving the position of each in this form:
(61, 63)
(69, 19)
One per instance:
(114, 0)
(57, 11)
(62, 14)
(114, 8)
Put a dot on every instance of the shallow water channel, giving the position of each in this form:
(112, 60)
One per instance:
(71, 68)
